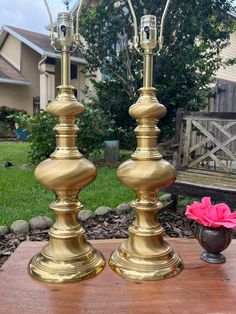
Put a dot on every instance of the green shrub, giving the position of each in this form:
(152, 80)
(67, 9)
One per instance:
(95, 127)
(42, 138)
(7, 115)
(5, 130)
(22, 118)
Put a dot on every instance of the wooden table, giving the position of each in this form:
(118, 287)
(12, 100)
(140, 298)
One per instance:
(200, 288)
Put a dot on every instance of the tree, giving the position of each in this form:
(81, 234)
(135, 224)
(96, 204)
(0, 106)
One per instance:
(67, 4)
(195, 33)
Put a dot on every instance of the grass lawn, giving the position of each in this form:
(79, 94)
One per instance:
(21, 197)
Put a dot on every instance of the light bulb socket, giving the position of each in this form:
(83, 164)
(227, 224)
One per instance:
(148, 32)
(65, 29)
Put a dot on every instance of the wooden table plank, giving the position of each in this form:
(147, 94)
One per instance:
(200, 288)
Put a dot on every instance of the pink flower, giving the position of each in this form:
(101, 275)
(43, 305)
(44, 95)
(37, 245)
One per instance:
(210, 215)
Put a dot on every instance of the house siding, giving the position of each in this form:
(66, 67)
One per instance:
(57, 74)
(15, 96)
(81, 81)
(79, 84)
(26, 60)
(29, 61)
(11, 51)
(228, 73)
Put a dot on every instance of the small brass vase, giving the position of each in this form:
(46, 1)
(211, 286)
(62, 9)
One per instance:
(214, 241)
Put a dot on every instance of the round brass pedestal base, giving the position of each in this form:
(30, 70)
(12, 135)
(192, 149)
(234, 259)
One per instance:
(132, 266)
(52, 270)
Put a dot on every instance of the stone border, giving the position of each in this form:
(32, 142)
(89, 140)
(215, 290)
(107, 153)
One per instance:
(45, 223)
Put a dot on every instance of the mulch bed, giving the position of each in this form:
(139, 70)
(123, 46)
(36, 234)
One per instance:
(110, 226)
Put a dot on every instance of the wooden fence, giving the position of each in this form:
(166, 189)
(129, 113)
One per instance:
(209, 140)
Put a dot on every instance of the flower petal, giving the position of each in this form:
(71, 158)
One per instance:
(206, 200)
(226, 223)
(224, 208)
(211, 215)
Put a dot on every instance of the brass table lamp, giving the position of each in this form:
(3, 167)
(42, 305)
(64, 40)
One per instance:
(145, 255)
(68, 256)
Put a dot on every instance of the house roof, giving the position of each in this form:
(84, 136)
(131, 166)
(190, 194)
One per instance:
(233, 14)
(36, 41)
(9, 74)
(86, 2)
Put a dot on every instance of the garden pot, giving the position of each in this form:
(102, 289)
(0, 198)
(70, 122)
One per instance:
(214, 241)
(111, 151)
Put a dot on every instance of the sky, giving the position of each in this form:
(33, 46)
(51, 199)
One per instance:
(29, 14)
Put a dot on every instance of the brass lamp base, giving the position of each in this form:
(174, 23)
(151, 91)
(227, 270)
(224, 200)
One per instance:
(68, 257)
(48, 265)
(145, 255)
(163, 263)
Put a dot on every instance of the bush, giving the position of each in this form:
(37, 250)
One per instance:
(5, 130)
(115, 103)
(95, 127)
(6, 114)
(7, 120)
(42, 138)
(22, 118)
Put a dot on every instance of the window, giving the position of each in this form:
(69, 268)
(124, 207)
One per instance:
(50, 61)
(73, 71)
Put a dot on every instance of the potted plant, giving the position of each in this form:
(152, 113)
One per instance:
(21, 124)
(111, 144)
(214, 231)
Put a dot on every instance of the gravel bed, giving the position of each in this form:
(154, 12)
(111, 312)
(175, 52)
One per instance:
(109, 226)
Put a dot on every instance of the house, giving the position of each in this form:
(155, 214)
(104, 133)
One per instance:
(229, 73)
(30, 70)
(224, 97)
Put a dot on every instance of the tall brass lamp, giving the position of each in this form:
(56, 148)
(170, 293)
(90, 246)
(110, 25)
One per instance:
(145, 255)
(68, 256)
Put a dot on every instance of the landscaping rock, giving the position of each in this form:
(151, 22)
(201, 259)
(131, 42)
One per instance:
(40, 223)
(3, 230)
(101, 211)
(165, 198)
(108, 226)
(49, 221)
(20, 226)
(123, 208)
(85, 214)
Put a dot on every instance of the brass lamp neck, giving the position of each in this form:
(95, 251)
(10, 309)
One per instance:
(65, 68)
(148, 68)
(148, 42)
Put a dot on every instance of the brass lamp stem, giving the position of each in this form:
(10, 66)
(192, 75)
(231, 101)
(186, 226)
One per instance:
(148, 68)
(65, 68)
